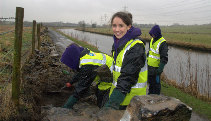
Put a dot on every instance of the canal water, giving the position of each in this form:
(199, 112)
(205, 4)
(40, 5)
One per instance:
(188, 68)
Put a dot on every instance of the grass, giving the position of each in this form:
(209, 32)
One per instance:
(7, 46)
(200, 107)
(5, 28)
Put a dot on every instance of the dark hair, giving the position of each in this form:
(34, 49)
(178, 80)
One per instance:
(130, 15)
(126, 17)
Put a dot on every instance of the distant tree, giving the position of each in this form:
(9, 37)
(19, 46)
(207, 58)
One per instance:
(82, 24)
(176, 24)
(94, 25)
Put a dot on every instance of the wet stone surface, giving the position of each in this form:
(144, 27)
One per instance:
(157, 108)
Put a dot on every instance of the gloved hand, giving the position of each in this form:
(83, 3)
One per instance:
(160, 68)
(116, 98)
(104, 73)
(68, 85)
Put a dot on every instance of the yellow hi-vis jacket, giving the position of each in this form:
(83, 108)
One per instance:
(97, 59)
(140, 87)
(154, 56)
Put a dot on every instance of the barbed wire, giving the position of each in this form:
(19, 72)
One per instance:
(7, 18)
(6, 32)
(3, 60)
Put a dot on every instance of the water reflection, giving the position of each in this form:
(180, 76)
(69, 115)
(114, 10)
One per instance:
(102, 42)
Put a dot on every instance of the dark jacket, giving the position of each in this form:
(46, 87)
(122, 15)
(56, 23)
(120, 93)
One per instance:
(163, 50)
(86, 72)
(84, 75)
(133, 61)
(71, 58)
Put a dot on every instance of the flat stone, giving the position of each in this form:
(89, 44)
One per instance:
(156, 108)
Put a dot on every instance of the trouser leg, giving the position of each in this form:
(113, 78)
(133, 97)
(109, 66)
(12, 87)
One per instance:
(70, 102)
(152, 84)
(157, 87)
(102, 97)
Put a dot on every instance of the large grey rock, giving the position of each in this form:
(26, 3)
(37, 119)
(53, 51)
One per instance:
(156, 108)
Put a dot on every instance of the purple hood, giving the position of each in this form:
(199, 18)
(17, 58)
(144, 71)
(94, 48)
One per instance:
(155, 31)
(71, 56)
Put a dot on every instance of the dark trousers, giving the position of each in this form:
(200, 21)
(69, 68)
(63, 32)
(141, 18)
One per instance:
(154, 86)
(102, 97)
(83, 88)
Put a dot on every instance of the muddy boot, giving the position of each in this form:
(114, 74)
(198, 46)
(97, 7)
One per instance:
(70, 102)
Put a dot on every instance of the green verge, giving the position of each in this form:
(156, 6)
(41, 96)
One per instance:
(200, 107)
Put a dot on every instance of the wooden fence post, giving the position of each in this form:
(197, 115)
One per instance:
(16, 75)
(33, 36)
(38, 36)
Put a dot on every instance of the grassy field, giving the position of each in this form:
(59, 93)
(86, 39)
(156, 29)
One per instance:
(5, 28)
(6, 49)
(198, 36)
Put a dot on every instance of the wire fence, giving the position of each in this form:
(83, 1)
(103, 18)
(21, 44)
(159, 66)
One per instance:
(6, 68)
(6, 56)
(7, 53)
(6, 32)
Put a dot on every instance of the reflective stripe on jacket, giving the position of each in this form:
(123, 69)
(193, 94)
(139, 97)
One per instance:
(140, 87)
(98, 59)
(154, 56)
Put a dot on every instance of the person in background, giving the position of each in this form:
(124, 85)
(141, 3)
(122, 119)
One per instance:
(157, 59)
(85, 61)
(130, 63)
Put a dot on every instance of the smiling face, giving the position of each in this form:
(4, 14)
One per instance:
(119, 27)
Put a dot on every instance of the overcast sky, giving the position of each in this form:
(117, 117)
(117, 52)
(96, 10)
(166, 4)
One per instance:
(163, 12)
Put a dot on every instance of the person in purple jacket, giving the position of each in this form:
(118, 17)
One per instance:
(85, 62)
(157, 59)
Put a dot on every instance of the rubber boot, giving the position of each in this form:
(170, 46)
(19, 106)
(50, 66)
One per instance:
(70, 102)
